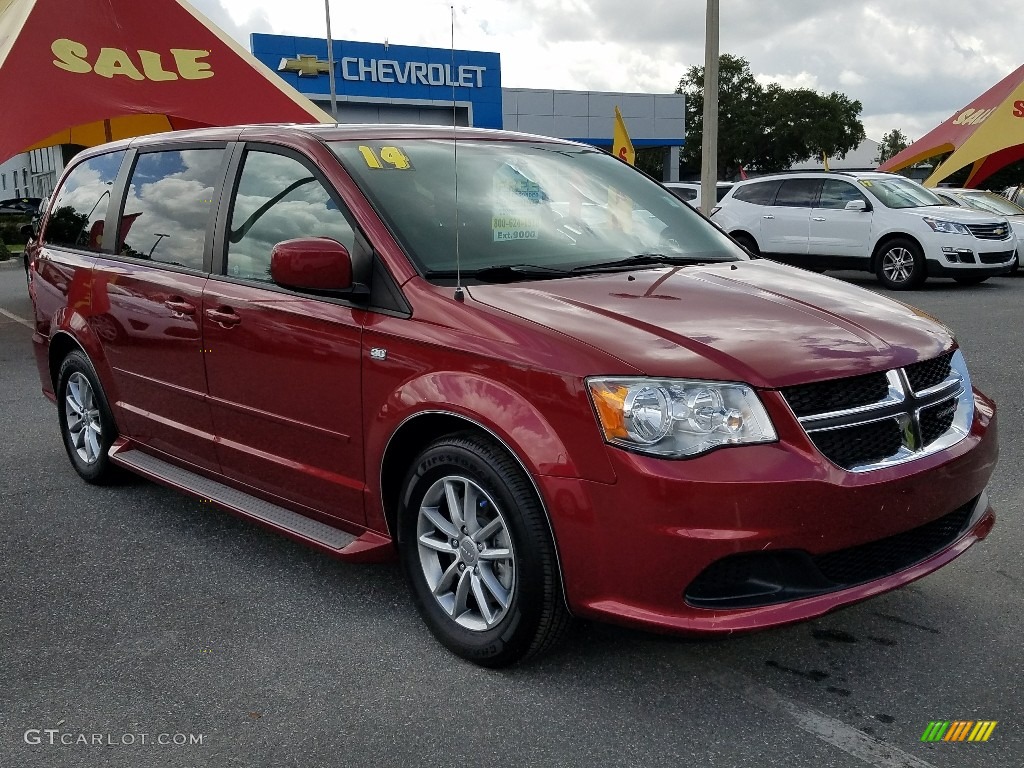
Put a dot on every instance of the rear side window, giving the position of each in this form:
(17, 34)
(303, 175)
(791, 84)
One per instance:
(278, 199)
(684, 193)
(798, 193)
(168, 205)
(77, 214)
(758, 193)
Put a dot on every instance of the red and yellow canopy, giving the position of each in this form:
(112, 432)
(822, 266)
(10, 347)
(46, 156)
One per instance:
(90, 71)
(988, 134)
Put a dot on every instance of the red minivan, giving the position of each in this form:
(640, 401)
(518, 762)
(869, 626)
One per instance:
(539, 379)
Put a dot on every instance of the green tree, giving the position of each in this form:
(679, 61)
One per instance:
(767, 128)
(5, 254)
(892, 143)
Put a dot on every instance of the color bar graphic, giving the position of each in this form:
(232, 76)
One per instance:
(959, 730)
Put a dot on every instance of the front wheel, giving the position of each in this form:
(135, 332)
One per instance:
(901, 265)
(478, 553)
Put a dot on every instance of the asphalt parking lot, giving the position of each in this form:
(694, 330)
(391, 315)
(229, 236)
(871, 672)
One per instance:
(137, 614)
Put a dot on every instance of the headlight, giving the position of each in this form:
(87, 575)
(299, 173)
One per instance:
(948, 227)
(676, 417)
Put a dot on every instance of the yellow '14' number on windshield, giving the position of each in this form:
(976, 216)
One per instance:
(388, 158)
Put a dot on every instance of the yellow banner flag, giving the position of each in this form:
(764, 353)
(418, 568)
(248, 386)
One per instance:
(622, 147)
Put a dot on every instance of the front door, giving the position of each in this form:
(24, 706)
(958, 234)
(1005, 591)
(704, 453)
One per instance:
(284, 368)
(837, 232)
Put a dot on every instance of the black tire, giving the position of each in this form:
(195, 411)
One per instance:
(747, 242)
(521, 564)
(86, 424)
(970, 279)
(900, 265)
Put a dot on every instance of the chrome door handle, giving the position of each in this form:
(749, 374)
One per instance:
(767, 216)
(817, 218)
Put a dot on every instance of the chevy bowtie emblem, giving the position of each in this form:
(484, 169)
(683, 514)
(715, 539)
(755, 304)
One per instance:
(1000, 231)
(305, 65)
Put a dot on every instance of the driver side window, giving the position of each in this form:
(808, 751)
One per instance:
(278, 198)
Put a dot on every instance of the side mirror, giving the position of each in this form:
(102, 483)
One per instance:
(313, 264)
(856, 205)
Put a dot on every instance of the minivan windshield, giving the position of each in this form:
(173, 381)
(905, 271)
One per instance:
(901, 193)
(529, 209)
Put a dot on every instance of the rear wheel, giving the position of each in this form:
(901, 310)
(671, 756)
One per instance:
(747, 242)
(478, 553)
(86, 423)
(900, 265)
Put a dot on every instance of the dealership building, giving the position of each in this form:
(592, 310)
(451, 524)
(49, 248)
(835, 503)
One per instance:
(382, 83)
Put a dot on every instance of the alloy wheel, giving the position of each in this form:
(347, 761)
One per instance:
(85, 426)
(466, 553)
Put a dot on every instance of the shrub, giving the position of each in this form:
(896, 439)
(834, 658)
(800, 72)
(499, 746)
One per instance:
(4, 253)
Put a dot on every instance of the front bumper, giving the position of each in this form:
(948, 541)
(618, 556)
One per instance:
(956, 255)
(632, 551)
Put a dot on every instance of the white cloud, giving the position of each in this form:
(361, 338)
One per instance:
(915, 61)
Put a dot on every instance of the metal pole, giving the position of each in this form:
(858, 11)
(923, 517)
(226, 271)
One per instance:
(709, 143)
(330, 62)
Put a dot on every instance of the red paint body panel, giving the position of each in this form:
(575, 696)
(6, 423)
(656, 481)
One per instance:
(749, 321)
(684, 515)
(271, 433)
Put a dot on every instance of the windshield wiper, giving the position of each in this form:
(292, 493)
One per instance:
(640, 259)
(505, 273)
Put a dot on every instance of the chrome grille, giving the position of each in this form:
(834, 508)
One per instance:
(868, 422)
(929, 372)
(990, 231)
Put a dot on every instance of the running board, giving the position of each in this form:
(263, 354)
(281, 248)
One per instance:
(366, 548)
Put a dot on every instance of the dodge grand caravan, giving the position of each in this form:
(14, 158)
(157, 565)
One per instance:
(539, 380)
(876, 222)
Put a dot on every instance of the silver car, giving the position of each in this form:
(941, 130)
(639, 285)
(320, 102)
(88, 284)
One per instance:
(990, 202)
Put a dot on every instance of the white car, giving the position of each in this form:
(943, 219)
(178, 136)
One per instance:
(990, 202)
(877, 222)
(689, 191)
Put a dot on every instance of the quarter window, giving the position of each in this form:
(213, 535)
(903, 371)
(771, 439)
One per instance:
(278, 199)
(168, 206)
(77, 214)
(758, 193)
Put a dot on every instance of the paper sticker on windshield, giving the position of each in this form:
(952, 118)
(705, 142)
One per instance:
(385, 158)
(516, 198)
(866, 182)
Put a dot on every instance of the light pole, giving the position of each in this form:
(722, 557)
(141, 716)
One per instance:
(330, 62)
(709, 140)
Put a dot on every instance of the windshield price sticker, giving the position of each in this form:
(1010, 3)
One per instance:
(386, 158)
(866, 182)
(516, 198)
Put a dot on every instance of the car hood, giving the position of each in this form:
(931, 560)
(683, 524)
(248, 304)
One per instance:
(952, 213)
(754, 321)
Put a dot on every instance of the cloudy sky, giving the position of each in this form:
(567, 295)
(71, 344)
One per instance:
(911, 63)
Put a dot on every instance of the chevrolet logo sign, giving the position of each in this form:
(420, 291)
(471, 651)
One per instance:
(305, 65)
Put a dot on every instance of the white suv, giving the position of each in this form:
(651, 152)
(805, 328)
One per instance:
(878, 222)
